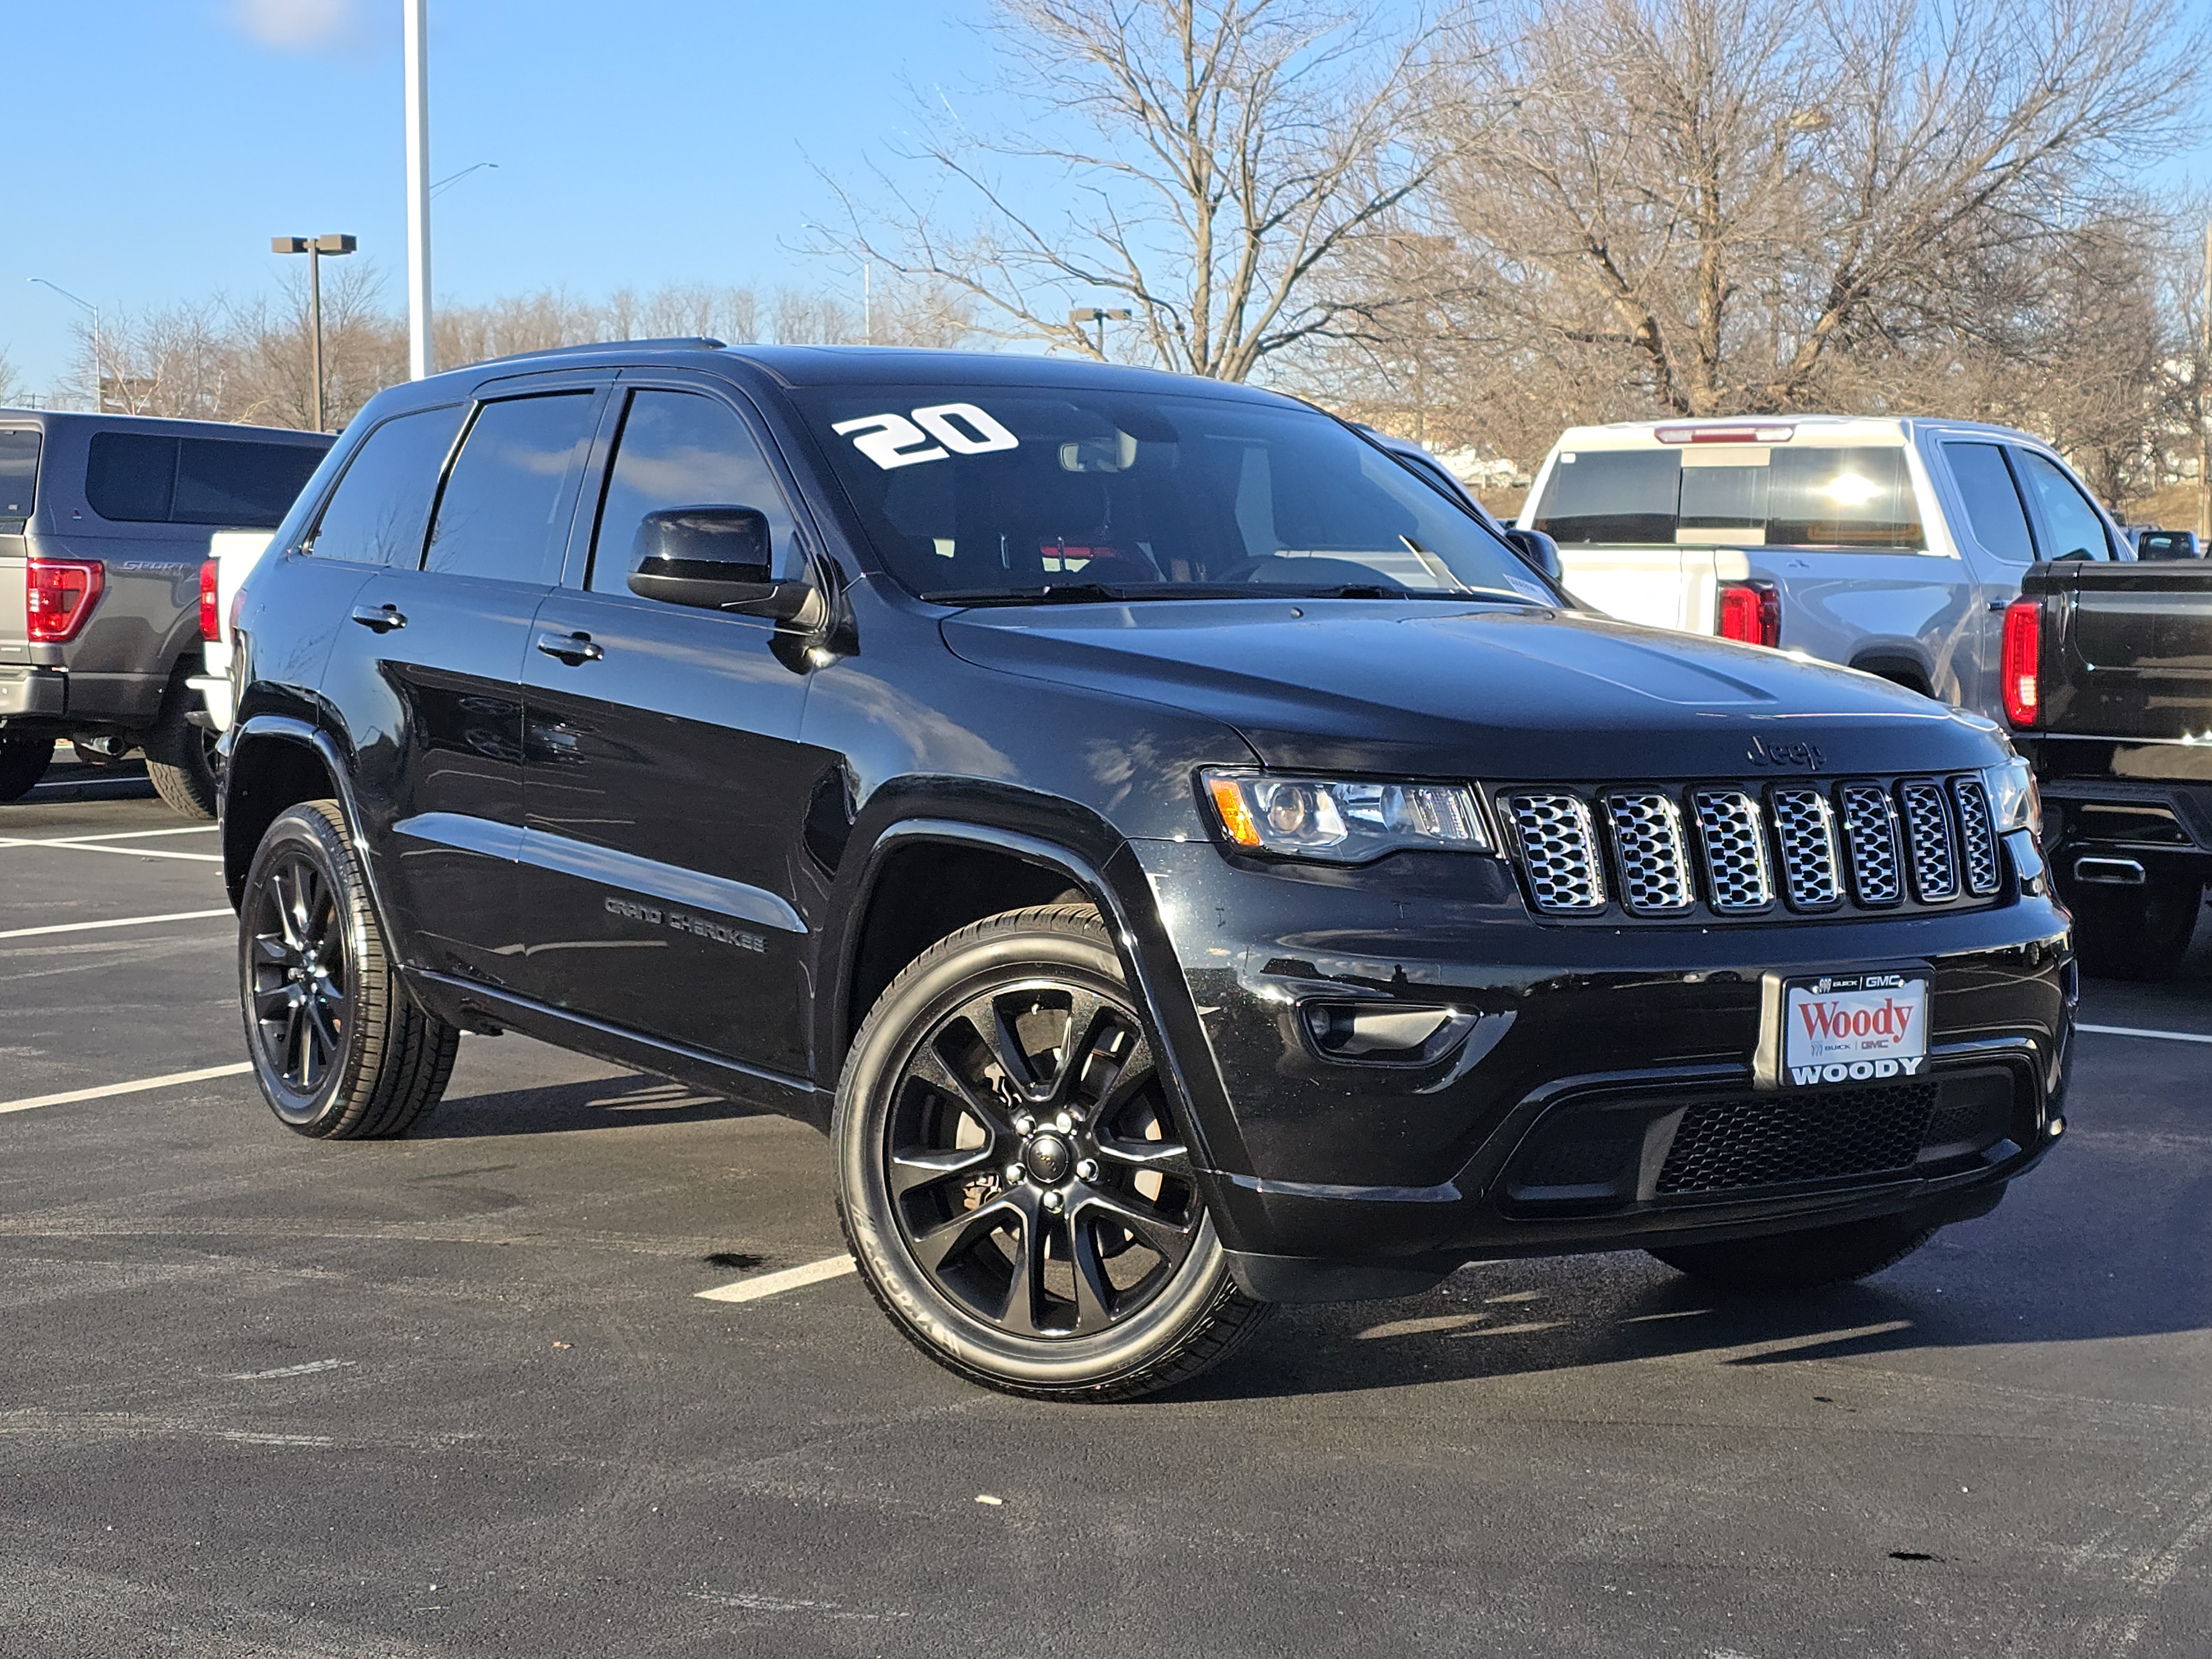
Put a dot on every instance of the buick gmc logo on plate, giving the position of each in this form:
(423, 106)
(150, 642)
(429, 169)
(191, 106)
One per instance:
(1854, 1028)
(1763, 753)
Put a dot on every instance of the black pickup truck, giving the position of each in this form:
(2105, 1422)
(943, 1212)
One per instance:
(2108, 686)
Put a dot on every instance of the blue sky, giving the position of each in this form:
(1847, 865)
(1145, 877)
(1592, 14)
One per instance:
(160, 144)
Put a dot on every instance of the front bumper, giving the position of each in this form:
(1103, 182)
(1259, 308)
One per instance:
(1577, 1061)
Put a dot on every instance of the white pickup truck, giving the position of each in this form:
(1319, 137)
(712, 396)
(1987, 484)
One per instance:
(232, 555)
(1891, 546)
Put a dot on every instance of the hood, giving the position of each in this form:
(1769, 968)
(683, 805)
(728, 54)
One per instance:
(1488, 691)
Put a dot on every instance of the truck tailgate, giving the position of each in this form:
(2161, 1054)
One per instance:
(2133, 649)
(14, 621)
(1658, 586)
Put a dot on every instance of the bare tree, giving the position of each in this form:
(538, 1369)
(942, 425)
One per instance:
(12, 386)
(1200, 163)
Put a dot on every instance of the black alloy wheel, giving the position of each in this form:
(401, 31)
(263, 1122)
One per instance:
(300, 1006)
(1012, 1178)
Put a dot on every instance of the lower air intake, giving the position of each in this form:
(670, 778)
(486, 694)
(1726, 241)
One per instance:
(1780, 1140)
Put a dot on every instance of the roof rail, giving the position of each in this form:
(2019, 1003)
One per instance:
(695, 342)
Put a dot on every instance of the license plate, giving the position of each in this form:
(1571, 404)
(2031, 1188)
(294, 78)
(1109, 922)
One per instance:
(1854, 1028)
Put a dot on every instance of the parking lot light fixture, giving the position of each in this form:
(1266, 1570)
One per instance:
(98, 386)
(314, 247)
(1083, 314)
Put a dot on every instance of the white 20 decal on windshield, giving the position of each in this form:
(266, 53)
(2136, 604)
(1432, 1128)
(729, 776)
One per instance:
(892, 440)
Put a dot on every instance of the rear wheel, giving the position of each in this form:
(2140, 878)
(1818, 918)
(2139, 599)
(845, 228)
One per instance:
(23, 762)
(1013, 1179)
(181, 759)
(338, 1047)
(2134, 932)
(1804, 1260)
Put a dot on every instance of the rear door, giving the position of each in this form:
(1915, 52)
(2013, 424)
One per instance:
(666, 783)
(1991, 527)
(430, 669)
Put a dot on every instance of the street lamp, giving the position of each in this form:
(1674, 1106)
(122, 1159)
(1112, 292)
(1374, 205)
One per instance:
(98, 386)
(1083, 314)
(314, 247)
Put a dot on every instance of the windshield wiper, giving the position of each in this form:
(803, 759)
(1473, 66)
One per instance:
(1050, 593)
(1103, 593)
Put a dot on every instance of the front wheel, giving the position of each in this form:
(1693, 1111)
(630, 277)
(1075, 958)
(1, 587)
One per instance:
(1013, 1177)
(338, 1047)
(1809, 1260)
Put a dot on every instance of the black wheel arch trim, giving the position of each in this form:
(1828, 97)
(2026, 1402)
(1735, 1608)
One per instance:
(289, 728)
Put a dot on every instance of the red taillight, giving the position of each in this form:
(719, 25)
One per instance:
(1752, 612)
(2023, 662)
(59, 596)
(210, 624)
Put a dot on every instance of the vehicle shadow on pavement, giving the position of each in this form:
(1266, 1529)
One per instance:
(615, 1102)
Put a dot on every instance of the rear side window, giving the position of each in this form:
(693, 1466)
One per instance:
(2075, 526)
(138, 478)
(504, 513)
(1993, 505)
(377, 514)
(19, 472)
(1840, 498)
(679, 449)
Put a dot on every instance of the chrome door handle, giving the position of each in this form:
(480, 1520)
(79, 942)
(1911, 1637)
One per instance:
(380, 618)
(571, 648)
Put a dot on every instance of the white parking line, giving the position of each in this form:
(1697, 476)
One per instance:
(120, 922)
(90, 846)
(2139, 1031)
(105, 1090)
(114, 834)
(791, 1278)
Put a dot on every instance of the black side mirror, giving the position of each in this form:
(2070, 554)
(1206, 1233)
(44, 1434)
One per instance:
(717, 558)
(1537, 549)
(2168, 544)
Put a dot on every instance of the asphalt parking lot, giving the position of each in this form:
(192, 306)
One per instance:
(459, 1393)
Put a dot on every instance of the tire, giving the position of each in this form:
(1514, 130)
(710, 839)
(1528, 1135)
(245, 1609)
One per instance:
(181, 759)
(341, 1053)
(2134, 932)
(1032, 1285)
(23, 762)
(1809, 1260)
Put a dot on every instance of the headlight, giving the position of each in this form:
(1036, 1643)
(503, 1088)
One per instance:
(2013, 796)
(1343, 821)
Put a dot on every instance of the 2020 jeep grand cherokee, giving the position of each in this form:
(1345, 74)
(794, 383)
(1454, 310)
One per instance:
(1183, 858)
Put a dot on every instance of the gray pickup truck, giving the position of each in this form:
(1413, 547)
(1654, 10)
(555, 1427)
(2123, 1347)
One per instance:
(104, 527)
(2107, 684)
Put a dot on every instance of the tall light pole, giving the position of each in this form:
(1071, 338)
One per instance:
(99, 387)
(314, 247)
(416, 34)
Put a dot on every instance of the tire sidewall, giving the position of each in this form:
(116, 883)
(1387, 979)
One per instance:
(305, 829)
(908, 1011)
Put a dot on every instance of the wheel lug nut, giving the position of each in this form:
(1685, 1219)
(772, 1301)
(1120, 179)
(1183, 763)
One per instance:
(1087, 1169)
(1013, 1175)
(1063, 1123)
(1054, 1201)
(1024, 1124)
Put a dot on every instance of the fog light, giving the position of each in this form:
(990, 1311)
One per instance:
(1381, 1032)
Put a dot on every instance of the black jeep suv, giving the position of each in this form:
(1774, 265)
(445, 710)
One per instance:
(1184, 859)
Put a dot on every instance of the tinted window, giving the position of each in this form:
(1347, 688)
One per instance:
(137, 478)
(679, 449)
(2074, 524)
(1993, 507)
(1626, 497)
(980, 490)
(377, 513)
(19, 472)
(1840, 498)
(505, 506)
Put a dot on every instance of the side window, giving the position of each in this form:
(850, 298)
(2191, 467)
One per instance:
(250, 486)
(129, 478)
(504, 512)
(19, 472)
(2075, 526)
(1993, 505)
(679, 449)
(376, 514)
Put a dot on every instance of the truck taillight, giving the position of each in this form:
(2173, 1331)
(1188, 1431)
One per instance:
(2023, 662)
(210, 624)
(1752, 612)
(59, 594)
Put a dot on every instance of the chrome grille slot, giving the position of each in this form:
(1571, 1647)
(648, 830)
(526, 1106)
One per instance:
(1806, 824)
(1739, 874)
(1558, 851)
(1928, 833)
(1978, 836)
(1651, 852)
(1870, 832)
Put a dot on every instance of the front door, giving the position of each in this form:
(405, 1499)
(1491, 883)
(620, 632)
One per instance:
(430, 671)
(666, 783)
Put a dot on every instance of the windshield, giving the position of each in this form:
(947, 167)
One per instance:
(981, 494)
(1733, 495)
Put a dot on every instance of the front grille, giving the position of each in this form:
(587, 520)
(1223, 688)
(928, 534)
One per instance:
(1782, 1139)
(1738, 851)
